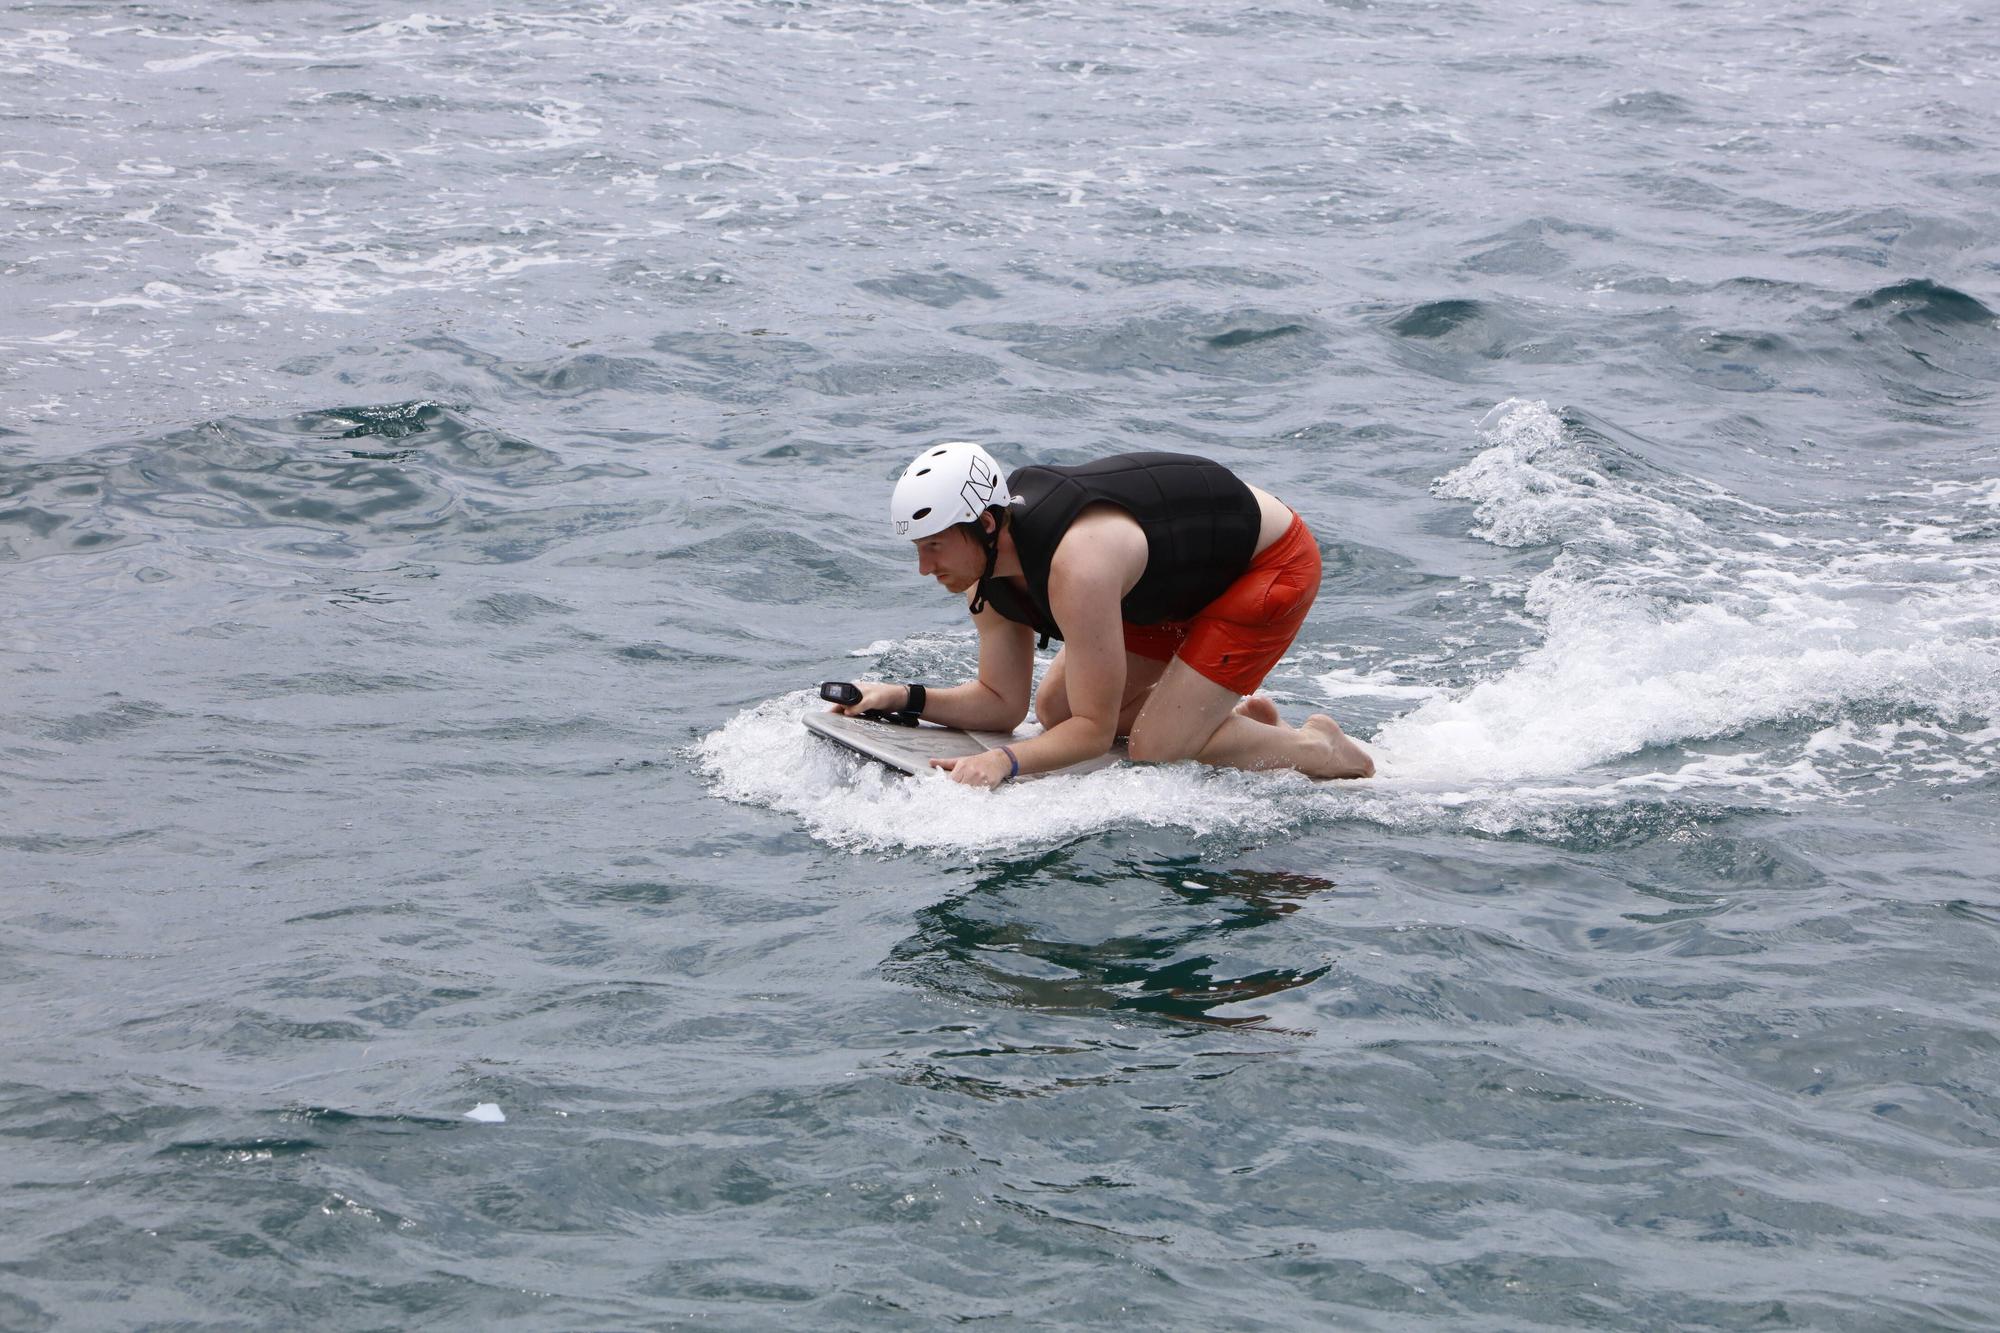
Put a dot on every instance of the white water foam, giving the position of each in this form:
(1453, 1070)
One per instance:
(310, 261)
(766, 757)
(1745, 635)
(1531, 485)
(1347, 683)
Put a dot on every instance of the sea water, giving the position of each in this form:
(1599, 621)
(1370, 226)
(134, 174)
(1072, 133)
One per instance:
(441, 450)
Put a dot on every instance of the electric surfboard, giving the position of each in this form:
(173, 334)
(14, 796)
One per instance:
(911, 749)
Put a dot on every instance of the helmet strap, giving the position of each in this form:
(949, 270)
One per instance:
(992, 544)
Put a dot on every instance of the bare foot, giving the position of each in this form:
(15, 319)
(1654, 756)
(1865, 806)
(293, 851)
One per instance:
(1258, 708)
(1343, 758)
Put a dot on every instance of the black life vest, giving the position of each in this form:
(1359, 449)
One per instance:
(1200, 521)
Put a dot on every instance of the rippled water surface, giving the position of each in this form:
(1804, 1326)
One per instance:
(439, 450)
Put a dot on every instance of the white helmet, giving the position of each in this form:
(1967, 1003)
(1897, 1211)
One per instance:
(950, 483)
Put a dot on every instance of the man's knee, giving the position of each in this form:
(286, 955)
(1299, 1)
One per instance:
(1149, 745)
(1051, 706)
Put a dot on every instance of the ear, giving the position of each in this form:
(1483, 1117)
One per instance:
(988, 522)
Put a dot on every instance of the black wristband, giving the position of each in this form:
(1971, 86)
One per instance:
(915, 707)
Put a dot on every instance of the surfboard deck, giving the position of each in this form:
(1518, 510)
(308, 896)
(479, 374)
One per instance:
(911, 749)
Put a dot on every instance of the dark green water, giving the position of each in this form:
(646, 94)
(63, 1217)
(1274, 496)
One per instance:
(438, 451)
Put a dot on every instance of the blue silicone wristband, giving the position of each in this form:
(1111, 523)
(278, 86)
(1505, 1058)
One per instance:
(1015, 771)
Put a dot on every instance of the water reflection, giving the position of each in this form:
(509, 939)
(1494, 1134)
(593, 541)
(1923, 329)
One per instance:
(1167, 937)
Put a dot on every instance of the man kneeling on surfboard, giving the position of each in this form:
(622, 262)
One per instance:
(1174, 586)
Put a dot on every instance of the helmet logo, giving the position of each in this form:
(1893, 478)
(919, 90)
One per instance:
(980, 485)
(902, 526)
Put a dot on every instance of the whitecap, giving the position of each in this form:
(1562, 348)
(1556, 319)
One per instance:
(1671, 632)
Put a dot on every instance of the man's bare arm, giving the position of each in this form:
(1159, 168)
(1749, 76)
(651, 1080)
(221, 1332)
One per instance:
(1098, 561)
(995, 700)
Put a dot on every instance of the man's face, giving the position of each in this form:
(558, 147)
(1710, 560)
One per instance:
(952, 558)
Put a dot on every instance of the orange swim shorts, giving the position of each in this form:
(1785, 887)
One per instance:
(1236, 639)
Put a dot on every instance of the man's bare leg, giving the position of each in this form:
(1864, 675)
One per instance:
(1258, 708)
(1191, 717)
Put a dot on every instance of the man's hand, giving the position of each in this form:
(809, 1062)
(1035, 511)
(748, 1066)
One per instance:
(979, 770)
(890, 698)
